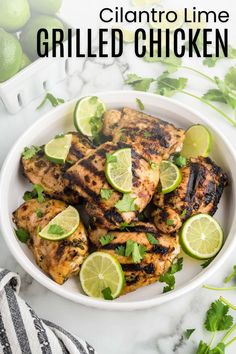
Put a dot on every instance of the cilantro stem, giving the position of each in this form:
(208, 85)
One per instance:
(209, 287)
(230, 120)
(230, 342)
(228, 303)
(230, 277)
(228, 334)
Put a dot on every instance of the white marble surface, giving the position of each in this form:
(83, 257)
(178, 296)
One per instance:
(154, 331)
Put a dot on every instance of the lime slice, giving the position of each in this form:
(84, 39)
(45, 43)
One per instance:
(62, 226)
(201, 236)
(58, 148)
(119, 170)
(88, 115)
(170, 176)
(100, 271)
(197, 142)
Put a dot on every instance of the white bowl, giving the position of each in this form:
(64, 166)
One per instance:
(13, 185)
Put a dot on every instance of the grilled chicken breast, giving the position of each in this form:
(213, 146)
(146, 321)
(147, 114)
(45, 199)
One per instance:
(153, 138)
(39, 170)
(156, 261)
(200, 191)
(87, 178)
(59, 259)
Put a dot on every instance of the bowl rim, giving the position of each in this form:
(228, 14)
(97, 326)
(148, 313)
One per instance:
(43, 279)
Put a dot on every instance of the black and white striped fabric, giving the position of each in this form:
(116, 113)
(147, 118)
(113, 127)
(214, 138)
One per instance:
(23, 332)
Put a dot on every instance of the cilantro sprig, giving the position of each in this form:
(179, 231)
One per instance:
(132, 249)
(106, 239)
(28, 153)
(36, 193)
(169, 277)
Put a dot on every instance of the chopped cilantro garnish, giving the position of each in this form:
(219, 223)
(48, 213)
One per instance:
(106, 193)
(126, 204)
(37, 192)
(140, 104)
(39, 213)
(28, 153)
(120, 250)
(179, 160)
(152, 239)
(147, 134)
(107, 294)
(169, 278)
(22, 235)
(170, 222)
(184, 212)
(132, 249)
(106, 239)
(56, 230)
(153, 165)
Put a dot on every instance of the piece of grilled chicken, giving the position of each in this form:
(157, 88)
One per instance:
(39, 170)
(150, 139)
(153, 138)
(87, 178)
(59, 259)
(156, 261)
(200, 191)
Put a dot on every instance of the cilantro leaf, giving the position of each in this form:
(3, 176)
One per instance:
(179, 160)
(106, 239)
(96, 123)
(56, 230)
(230, 78)
(93, 100)
(170, 222)
(167, 86)
(106, 193)
(147, 134)
(189, 332)
(107, 294)
(126, 204)
(135, 250)
(110, 158)
(140, 104)
(28, 153)
(231, 276)
(39, 213)
(215, 95)
(219, 349)
(173, 63)
(124, 226)
(52, 99)
(29, 195)
(22, 235)
(184, 212)
(120, 250)
(152, 239)
(217, 318)
(39, 190)
(169, 278)
(203, 348)
(138, 83)
(211, 62)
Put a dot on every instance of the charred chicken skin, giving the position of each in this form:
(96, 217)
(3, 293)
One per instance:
(59, 259)
(202, 185)
(39, 170)
(157, 260)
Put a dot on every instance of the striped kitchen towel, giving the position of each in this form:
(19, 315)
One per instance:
(23, 332)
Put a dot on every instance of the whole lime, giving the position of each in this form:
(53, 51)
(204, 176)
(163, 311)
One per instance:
(48, 7)
(25, 61)
(14, 14)
(10, 55)
(28, 36)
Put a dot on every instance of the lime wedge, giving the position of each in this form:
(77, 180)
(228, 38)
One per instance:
(119, 170)
(170, 176)
(101, 271)
(201, 236)
(58, 148)
(62, 226)
(88, 115)
(197, 142)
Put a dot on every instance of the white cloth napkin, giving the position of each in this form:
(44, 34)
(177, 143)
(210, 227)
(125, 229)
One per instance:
(23, 332)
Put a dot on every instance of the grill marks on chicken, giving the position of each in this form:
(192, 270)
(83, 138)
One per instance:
(200, 191)
(156, 261)
(87, 178)
(153, 138)
(39, 170)
(59, 259)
